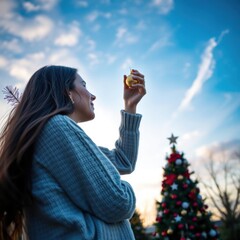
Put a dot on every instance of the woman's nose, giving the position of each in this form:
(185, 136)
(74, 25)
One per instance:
(93, 97)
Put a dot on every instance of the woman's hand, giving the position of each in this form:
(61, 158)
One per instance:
(133, 95)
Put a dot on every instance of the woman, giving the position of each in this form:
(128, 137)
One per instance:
(54, 181)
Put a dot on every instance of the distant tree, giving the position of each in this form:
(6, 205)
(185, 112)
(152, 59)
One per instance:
(223, 189)
(137, 227)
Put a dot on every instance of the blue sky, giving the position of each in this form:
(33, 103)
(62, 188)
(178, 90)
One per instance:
(188, 51)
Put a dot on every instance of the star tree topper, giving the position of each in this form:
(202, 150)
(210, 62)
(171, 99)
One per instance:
(173, 139)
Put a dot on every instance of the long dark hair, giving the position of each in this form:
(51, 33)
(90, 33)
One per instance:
(45, 95)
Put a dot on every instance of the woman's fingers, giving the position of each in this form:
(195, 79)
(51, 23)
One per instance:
(136, 75)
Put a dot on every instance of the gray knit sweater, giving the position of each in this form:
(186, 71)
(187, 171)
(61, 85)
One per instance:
(76, 186)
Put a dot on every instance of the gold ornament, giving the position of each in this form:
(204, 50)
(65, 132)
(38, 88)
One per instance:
(130, 81)
(180, 177)
(183, 212)
(199, 214)
(169, 231)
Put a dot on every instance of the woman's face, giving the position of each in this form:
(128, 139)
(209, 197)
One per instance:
(82, 101)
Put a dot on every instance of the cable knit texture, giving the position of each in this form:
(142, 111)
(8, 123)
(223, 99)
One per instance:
(76, 186)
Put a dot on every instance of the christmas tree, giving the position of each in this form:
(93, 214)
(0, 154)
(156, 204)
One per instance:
(182, 214)
(137, 226)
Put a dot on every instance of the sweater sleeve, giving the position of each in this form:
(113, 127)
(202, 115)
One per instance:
(124, 156)
(84, 173)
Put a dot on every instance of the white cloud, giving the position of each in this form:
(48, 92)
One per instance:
(38, 56)
(3, 62)
(218, 150)
(191, 135)
(127, 64)
(130, 38)
(105, 1)
(91, 17)
(96, 27)
(93, 58)
(124, 37)
(111, 59)
(162, 42)
(141, 25)
(22, 69)
(6, 9)
(38, 29)
(121, 31)
(12, 45)
(82, 3)
(164, 6)
(123, 11)
(107, 15)
(39, 5)
(204, 73)
(69, 38)
(91, 44)
(163, 39)
(30, 30)
(223, 33)
(30, 7)
(65, 57)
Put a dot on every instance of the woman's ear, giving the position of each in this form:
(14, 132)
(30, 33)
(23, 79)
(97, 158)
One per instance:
(71, 98)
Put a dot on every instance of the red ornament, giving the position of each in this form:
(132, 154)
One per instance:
(182, 238)
(205, 206)
(179, 203)
(175, 214)
(194, 219)
(158, 219)
(164, 233)
(192, 195)
(195, 204)
(173, 157)
(185, 185)
(191, 227)
(170, 179)
(165, 211)
(164, 204)
(198, 234)
(186, 174)
(173, 196)
(202, 210)
(154, 234)
(180, 226)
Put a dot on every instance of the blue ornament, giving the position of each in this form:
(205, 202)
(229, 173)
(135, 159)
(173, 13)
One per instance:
(199, 196)
(178, 161)
(204, 234)
(185, 205)
(212, 233)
